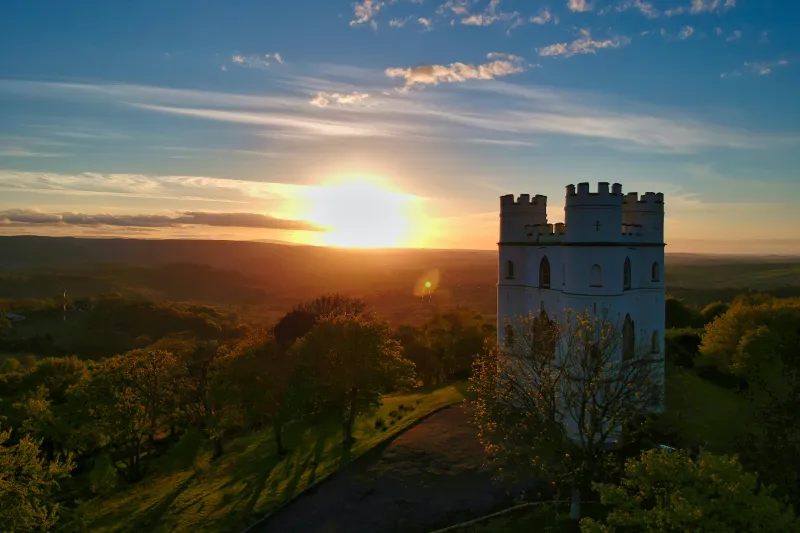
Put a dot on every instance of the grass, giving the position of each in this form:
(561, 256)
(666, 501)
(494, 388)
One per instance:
(701, 412)
(250, 480)
(544, 519)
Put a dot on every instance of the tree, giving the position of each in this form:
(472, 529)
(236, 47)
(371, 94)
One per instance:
(354, 361)
(680, 315)
(292, 326)
(27, 482)
(549, 402)
(662, 491)
(267, 382)
(713, 310)
(333, 304)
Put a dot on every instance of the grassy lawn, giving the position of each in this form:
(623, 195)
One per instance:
(250, 480)
(545, 519)
(702, 412)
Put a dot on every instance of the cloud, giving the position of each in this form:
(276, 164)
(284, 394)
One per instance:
(323, 99)
(543, 17)
(685, 33)
(425, 22)
(582, 45)
(188, 218)
(492, 15)
(711, 6)
(645, 8)
(718, 31)
(399, 23)
(365, 11)
(256, 61)
(579, 5)
(457, 7)
(764, 68)
(501, 65)
(735, 35)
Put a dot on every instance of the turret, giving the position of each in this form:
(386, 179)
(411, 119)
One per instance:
(646, 214)
(516, 215)
(593, 216)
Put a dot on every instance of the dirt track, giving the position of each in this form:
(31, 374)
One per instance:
(428, 477)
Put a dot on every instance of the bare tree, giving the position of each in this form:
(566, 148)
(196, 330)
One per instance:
(552, 398)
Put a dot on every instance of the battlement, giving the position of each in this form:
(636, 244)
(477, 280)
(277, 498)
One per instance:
(533, 230)
(604, 196)
(524, 202)
(649, 201)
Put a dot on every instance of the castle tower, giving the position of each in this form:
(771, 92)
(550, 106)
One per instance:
(608, 258)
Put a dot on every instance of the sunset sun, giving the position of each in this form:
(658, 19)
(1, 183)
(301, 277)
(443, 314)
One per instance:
(364, 213)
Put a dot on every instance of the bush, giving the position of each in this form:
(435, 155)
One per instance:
(682, 346)
(392, 414)
(380, 423)
(103, 476)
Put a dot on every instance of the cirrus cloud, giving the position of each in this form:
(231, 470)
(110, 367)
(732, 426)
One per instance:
(323, 99)
(582, 45)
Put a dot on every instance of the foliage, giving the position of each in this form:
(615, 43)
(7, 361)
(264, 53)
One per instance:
(26, 484)
(442, 349)
(548, 401)
(680, 315)
(713, 310)
(103, 476)
(682, 345)
(354, 361)
(268, 383)
(662, 491)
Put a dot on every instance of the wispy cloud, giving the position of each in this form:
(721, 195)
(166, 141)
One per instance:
(256, 61)
(425, 23)
(364, 12)
(685, 33)
(455, 7)
(582, 45)
(188, 218)
(759, 68)
(399, 22)
(734, 36)
(645, 8)
(492, 15)
(501, 65)
(712, 6)
(323, 99)
(543, 17)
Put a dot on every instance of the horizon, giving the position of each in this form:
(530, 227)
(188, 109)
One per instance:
(397, 123)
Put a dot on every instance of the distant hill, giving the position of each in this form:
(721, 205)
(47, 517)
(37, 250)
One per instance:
(263, 280)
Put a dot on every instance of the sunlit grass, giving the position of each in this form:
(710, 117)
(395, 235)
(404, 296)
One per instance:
(250, 480)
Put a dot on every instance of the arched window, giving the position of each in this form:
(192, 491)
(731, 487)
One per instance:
(655, 345)
(655, 273)
(626, 275)
(544, 273)
(628, 339)
(509, 269)
(596, 276)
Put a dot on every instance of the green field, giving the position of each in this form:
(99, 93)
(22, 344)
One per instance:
(701, 412)
(250, 480)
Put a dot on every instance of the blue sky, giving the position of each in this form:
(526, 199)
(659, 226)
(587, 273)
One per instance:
(242, 119)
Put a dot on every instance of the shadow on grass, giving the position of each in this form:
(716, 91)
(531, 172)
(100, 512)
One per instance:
(151, 518)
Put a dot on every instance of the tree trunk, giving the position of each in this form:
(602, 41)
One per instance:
(278, 430)
(217, 447)
(575, 504)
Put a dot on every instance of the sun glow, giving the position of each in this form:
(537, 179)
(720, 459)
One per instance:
(364, 213)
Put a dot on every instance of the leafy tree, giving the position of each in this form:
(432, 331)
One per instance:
(550, 399)
(124, 402)
(713, 310)
(680, 315)
(268, 382)
(662, 491)
(292, 326)
(354, 361)
(333, 304)
(416, 349)
(27, 482)
(10, 364)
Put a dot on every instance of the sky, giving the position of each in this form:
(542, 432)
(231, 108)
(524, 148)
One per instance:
(396, 122)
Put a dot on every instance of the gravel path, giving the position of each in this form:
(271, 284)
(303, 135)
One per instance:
(428, 477)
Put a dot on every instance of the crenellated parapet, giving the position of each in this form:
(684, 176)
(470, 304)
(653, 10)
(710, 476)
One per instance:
(582, 195)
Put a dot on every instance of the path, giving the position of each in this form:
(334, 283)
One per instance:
(428, 477)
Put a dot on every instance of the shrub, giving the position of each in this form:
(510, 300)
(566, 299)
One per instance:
(392, 414)
(380, 423)
(682, 345)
